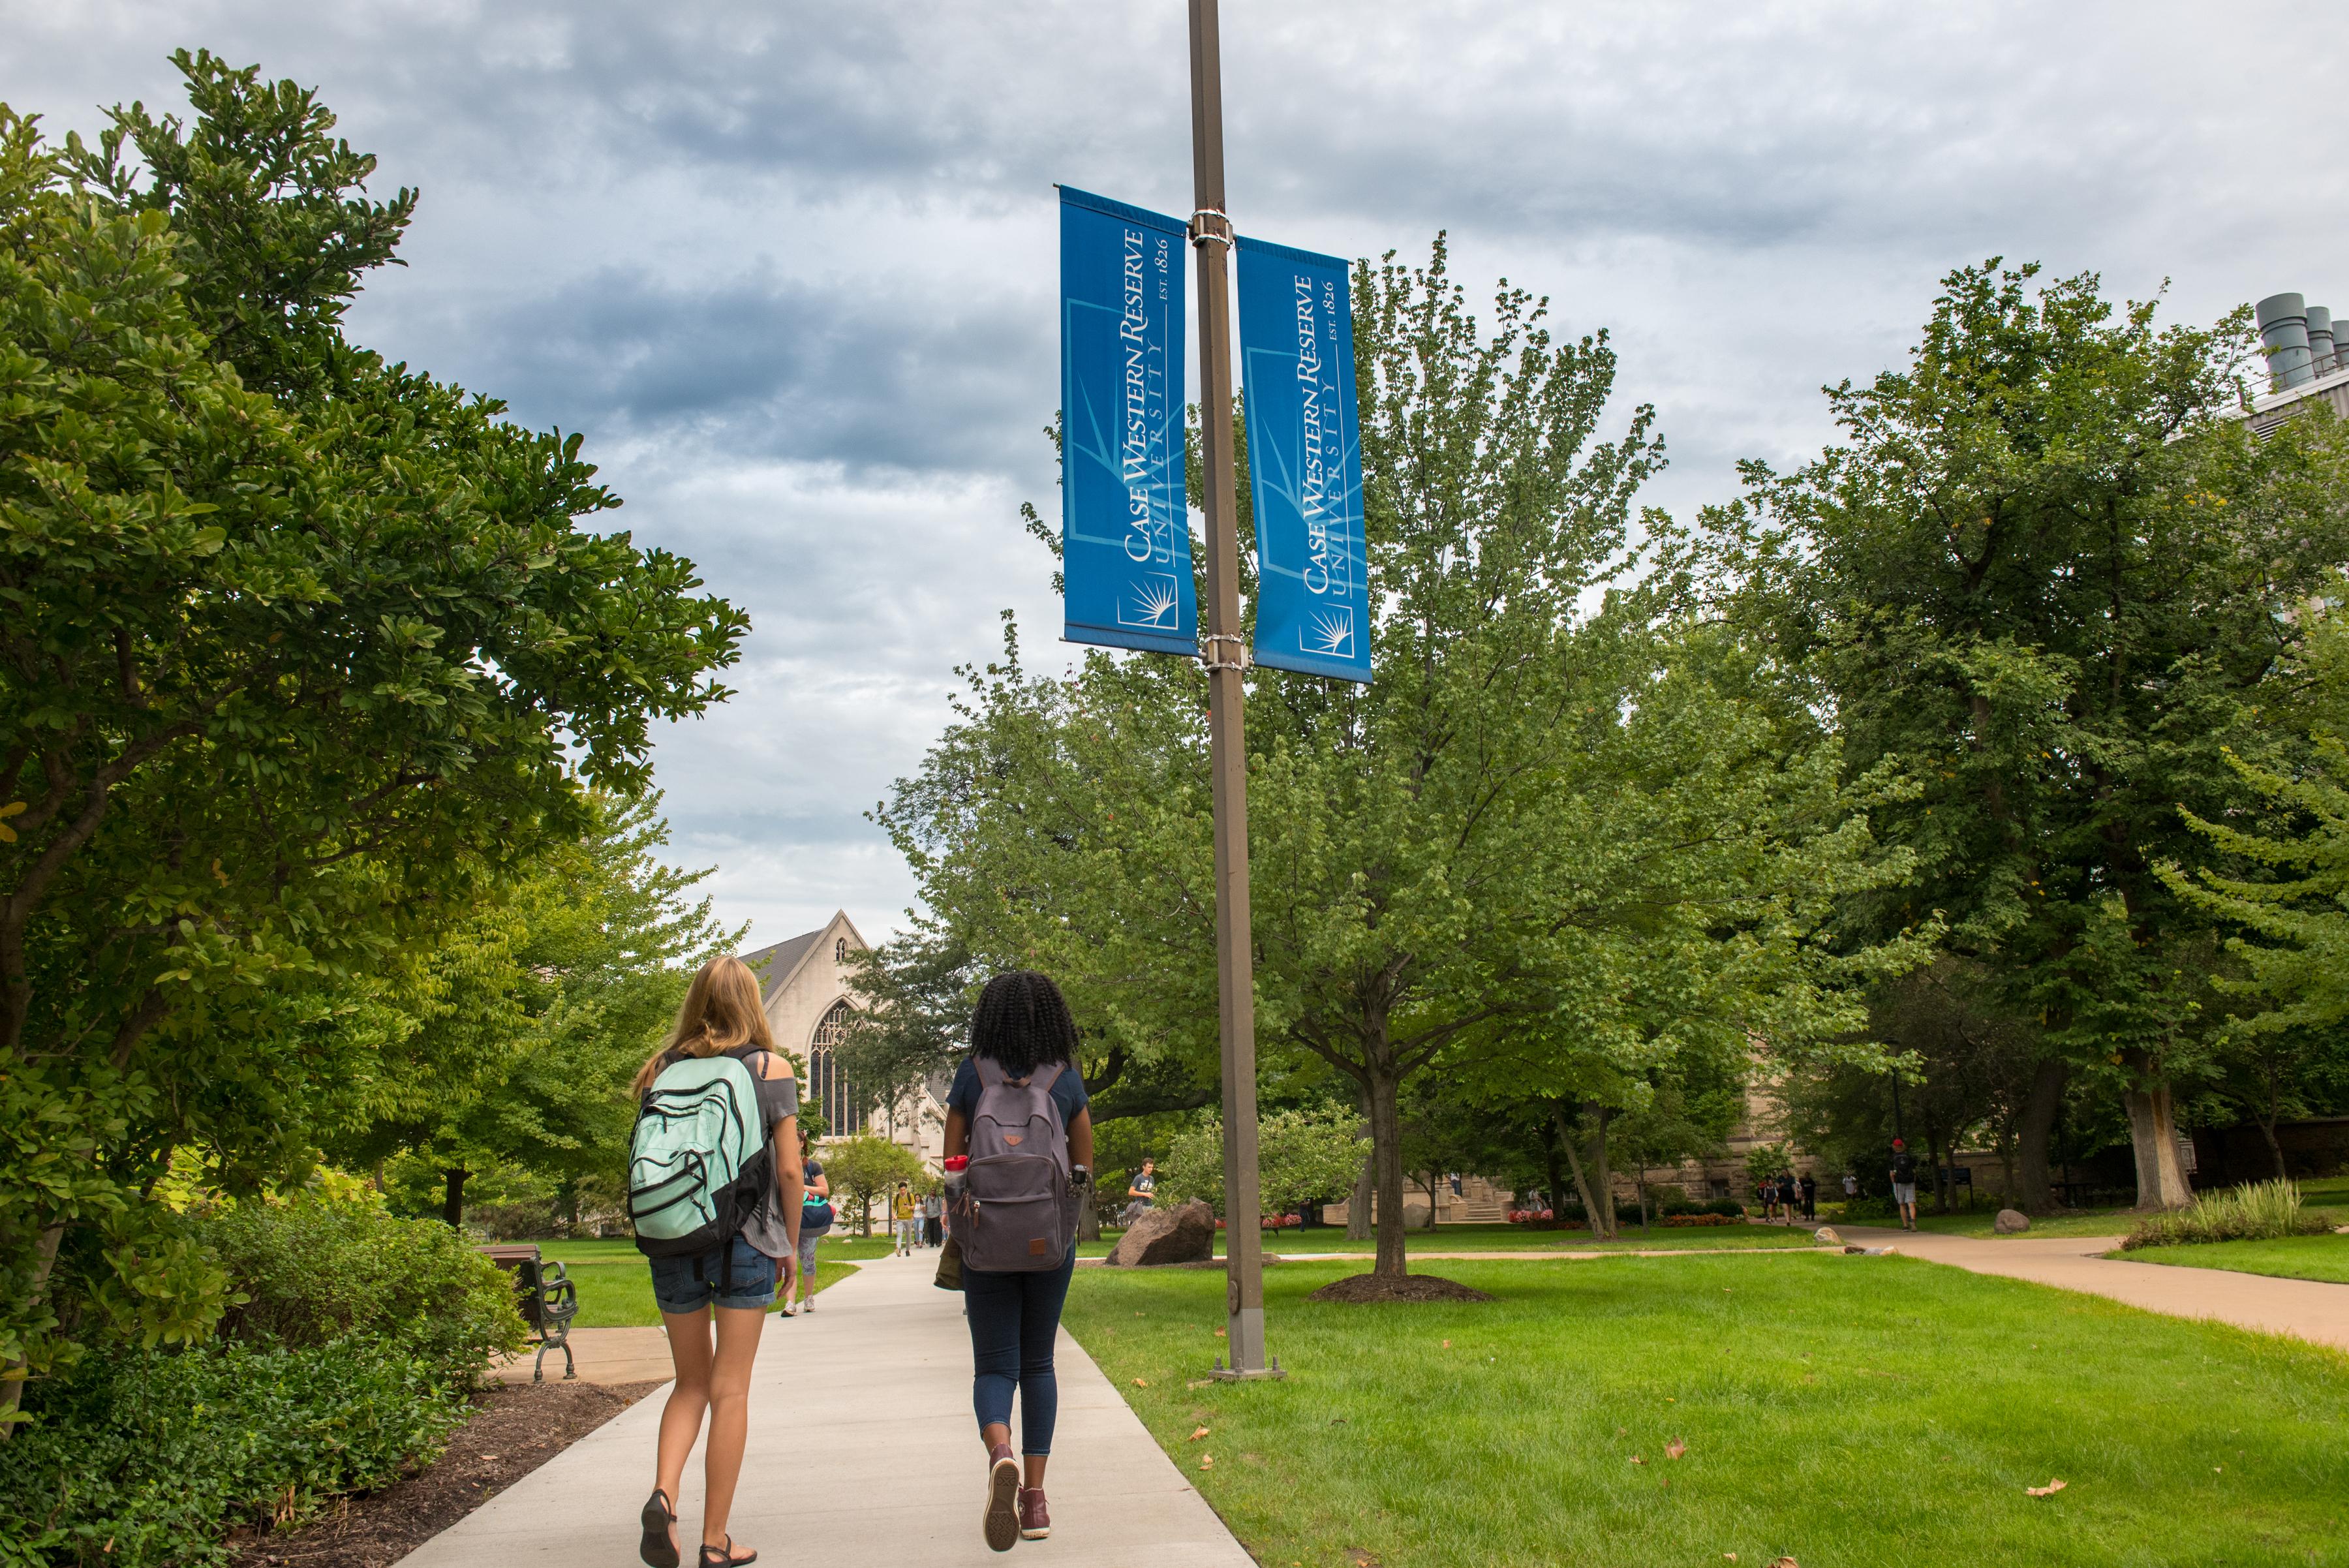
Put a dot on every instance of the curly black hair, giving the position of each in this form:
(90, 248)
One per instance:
(1023, 1023)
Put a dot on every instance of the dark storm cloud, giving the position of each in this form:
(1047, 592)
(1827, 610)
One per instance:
(769, 367)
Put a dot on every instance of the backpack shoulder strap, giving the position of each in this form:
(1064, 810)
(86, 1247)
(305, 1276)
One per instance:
(1045, 1077)
(990, 1073)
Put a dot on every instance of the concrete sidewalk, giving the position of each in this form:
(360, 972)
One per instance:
(2307, 1309)
(862, 1451)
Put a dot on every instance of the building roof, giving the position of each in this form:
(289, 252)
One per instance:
(776, 965)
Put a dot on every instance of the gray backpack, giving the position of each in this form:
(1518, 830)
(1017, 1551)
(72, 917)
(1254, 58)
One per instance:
(1017, 1213)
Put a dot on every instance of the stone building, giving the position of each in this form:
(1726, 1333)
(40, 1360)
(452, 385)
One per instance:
(805, 981)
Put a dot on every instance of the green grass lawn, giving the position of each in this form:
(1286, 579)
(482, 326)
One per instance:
(1517, 1237)
(1849, 1411)
(2082, 1222)
(2289, 1257)
(616, 1287)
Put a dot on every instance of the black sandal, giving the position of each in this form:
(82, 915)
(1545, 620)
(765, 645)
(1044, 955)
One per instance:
(723, 1556)
(657, 1550)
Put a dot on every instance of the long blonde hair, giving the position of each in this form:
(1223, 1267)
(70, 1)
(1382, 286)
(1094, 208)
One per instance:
(722, 1010)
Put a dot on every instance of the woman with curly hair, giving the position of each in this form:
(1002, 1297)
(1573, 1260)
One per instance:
(1022, 1040)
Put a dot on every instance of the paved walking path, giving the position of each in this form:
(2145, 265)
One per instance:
(2307, 1309)
(862, 1451)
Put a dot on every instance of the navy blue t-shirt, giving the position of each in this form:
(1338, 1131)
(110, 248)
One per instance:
(1067, 1090)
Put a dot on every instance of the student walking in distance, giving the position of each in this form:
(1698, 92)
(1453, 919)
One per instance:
(1810, 1198)
(714, 1192)
(1850, 1185)
(933, 1213)
(902, 1211)
(816, 1216)
(1904, 1183)
(1018, 1111)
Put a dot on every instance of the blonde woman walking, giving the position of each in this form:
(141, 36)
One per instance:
(714, 1190)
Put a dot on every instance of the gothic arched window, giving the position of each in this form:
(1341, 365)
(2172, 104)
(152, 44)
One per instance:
(828, 1088)
(839, 949)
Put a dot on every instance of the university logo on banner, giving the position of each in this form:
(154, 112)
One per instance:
(1305, 464)
(1125, 533)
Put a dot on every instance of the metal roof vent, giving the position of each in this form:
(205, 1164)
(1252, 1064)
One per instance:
(2284, 334)
(2323, 350)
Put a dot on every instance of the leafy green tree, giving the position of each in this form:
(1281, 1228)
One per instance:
(521, 1030)
(1518, 819)
(1304, 1154)
(299, 650)
(1966, 1061)
(2048, 577)
(864, 1169)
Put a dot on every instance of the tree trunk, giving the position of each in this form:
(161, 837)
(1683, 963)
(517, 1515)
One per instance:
(1386, 1153)
(1574, 1163)
(2275, 1148)
(1940, 1181)
(1556, 1196)
(12, 1382)
(452, 1197)
(2268, 1128)
(1432, 1177)
(2037, 1132)
(1602, 1176)
(1358, 1210)
(2153, 1140)
(1088, 1217)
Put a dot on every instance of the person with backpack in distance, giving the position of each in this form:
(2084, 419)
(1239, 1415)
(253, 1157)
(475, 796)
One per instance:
(816, 1216)
(1904, 1183)
(714, 1193)
(904, 1211)
(1018, 1113)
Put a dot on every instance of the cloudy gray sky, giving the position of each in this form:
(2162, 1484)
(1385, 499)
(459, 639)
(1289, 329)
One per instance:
(790, 267)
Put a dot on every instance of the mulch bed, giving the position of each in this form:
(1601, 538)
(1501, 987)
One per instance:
(1355, 1288)
(515, 1428)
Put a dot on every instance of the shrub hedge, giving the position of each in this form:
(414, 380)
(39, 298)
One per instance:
(2261, 1213)
(348, 1359)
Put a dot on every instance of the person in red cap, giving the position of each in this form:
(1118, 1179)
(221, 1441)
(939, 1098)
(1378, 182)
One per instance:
(1904, 1183)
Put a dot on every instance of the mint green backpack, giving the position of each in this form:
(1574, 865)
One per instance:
(698, 1163)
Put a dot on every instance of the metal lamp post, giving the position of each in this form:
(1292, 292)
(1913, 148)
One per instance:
(1226, 659)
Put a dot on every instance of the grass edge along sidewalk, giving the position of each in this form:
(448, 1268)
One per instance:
(2323, 1258)
(615, 1286)
(1841, 1410)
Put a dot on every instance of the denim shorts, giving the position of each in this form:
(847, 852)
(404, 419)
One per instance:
(690, 1283)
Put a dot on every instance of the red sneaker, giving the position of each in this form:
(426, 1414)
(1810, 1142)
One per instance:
(1001, 1521)
(1035, 1523)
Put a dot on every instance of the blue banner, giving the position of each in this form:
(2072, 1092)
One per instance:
(1304, 461)
(1125, 533)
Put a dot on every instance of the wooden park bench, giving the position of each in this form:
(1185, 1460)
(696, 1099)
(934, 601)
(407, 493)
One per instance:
(548, 1300)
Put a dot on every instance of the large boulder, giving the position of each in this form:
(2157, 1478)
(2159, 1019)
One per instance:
(1825, 1236)
(2010, 1222)
(1184, 1235)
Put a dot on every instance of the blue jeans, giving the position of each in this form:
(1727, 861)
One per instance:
(1013, 1319)
(689, 1284)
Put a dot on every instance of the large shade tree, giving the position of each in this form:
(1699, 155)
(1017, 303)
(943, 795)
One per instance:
(508, 1044)
(2046, 574)
(1482, 837)
(298, 650)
